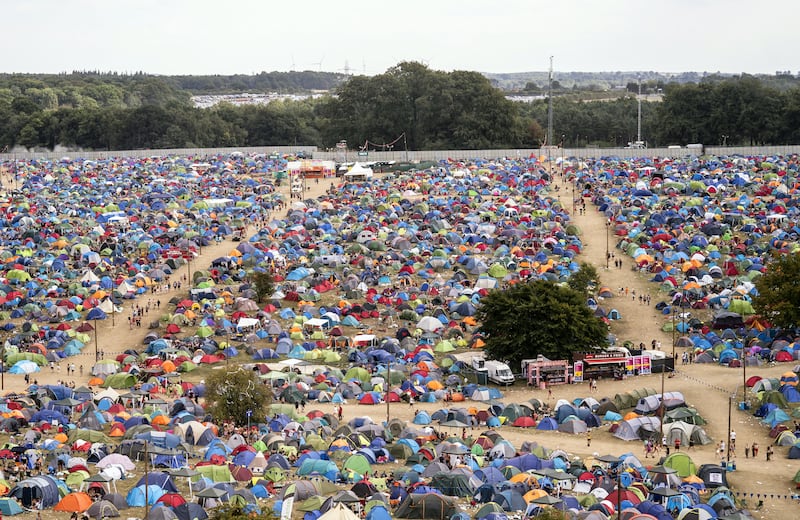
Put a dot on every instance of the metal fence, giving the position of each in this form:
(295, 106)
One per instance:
(414, 156)
(173, 152)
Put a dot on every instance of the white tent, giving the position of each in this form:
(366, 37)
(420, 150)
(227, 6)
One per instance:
(339, 512)
(245, 323)
(359, 172)
(637, 428)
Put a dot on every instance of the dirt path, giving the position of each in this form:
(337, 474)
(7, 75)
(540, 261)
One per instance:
(706, 387)
(114, 336)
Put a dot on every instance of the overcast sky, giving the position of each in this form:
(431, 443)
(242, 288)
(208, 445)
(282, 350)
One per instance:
(248, 36)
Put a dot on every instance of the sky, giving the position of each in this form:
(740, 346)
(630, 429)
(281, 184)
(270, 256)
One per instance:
(250, 36)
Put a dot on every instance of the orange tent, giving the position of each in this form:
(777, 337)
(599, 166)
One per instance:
(95, 381)
(118, 430)
(40, 348)
(60, 437)
(533, 494)
(160, 420)
(74, 503)
(168, 366)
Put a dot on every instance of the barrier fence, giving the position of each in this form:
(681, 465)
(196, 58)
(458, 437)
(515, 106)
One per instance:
(418, 155)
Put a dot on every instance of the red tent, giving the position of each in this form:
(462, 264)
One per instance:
(368, 398)
(524, 422)
(171, 500)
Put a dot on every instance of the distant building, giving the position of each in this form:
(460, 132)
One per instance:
(245, 98)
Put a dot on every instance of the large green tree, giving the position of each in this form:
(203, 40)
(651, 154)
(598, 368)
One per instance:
(778, 298)
(539, 317)
(584, 279)
(231, 394)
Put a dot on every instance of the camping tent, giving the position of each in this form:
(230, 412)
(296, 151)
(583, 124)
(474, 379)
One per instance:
(432, 506)
(637, 428)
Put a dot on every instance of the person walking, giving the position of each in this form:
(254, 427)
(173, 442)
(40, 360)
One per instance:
(747, 451)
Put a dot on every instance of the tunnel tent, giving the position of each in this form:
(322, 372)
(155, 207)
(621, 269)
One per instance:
(426, 506)
(43, 489)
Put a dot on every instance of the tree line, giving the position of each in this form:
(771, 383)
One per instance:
(431, 109)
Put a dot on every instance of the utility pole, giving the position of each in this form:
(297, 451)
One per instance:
(388, 387)
(550, 110)
(146, 483)
(639, 115)
(744, 376)
(728, 436)
(661, 409)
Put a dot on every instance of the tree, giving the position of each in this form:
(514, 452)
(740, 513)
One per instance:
(584, 279)
(538, 317)
(264, 285)
(231, 394)
(778, 298)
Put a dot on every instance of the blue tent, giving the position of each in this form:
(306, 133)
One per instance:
(136, 496)
(378, 512)
(776, 417)
(326, 468)
(162, 480)
(547, 423)
(422, 417)
(9, 507)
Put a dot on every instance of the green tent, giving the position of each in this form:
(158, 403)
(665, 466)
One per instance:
(286, 409)
(214, 473)
(274, 474)
(489, 507)
(18, 274)
(497, 271)
(312, 504)
(444, 346)
(358, 373)
(401, 451)
(87, 435)
(205, 331)
(426, 506)
(76, 478)
(681, 463)
(357, 463)
(775, 397)
(452, 484)
(743, 307)
(121, 380)
(29, 356)
(685, 414)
